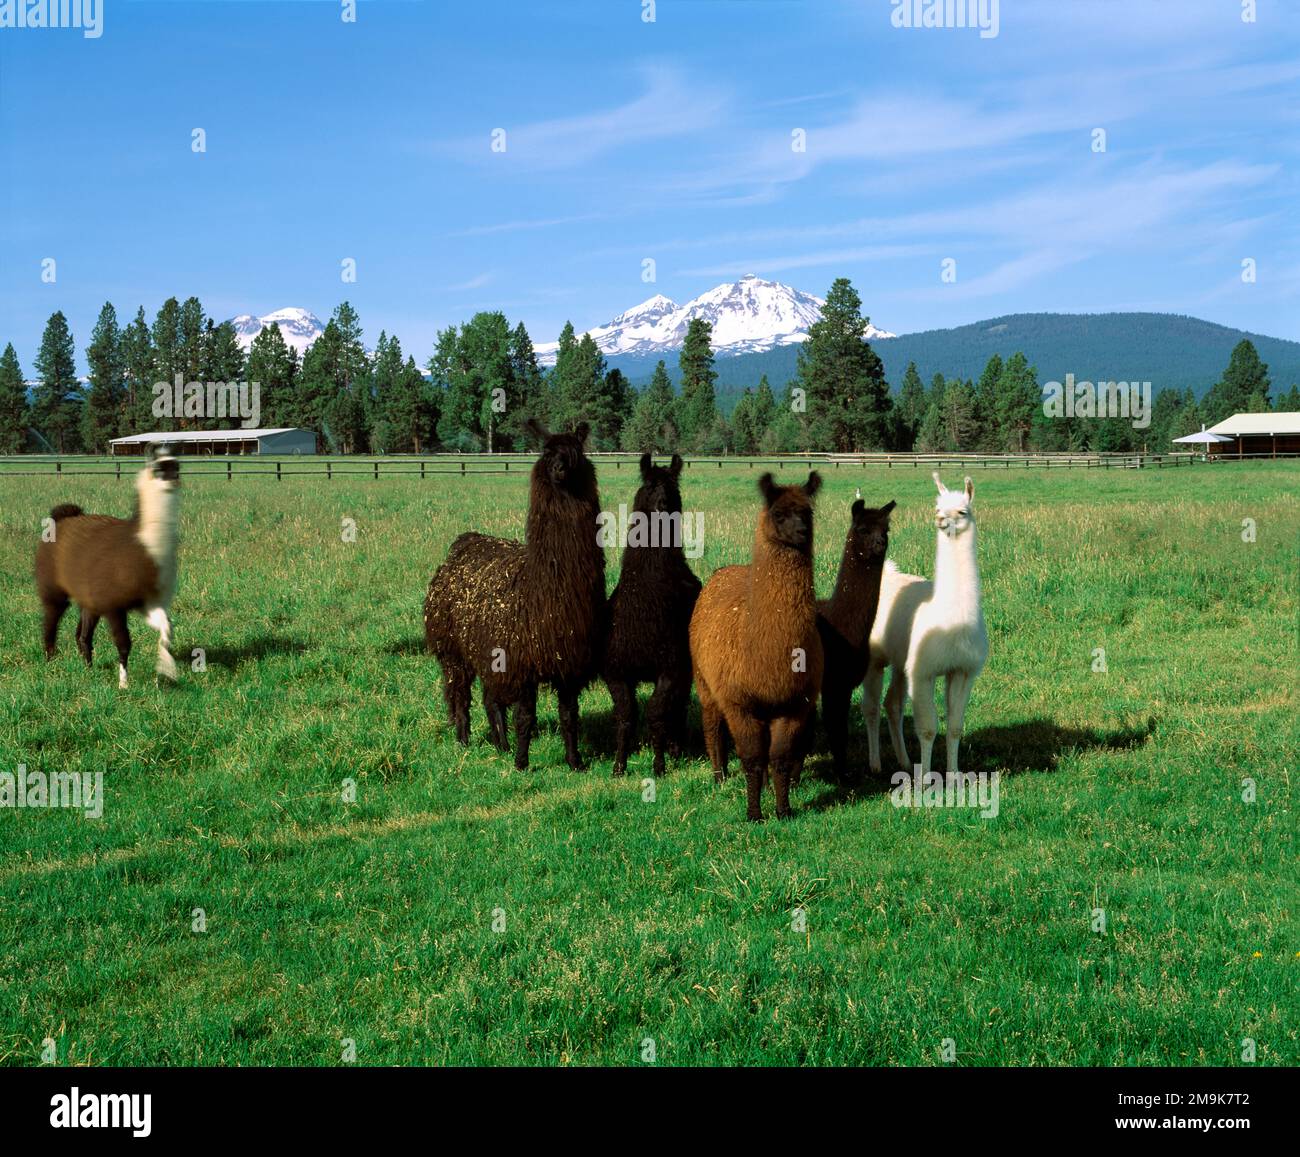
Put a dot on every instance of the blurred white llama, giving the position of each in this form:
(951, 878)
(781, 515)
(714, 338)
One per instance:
(926, 629)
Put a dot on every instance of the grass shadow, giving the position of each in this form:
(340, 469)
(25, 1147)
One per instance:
(256, 649)
(412, 645)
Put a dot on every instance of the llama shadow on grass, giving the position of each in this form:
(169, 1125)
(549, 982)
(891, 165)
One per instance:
(1011, 749)
(254, 650)
(412, 645)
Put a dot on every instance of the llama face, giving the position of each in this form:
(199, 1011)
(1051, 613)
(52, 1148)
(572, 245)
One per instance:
(160, 476)
(564, 460)
(659, 490)
(953, 509)
(789, 511)
(869, 533)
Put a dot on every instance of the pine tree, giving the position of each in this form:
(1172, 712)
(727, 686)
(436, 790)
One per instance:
(617, 401)
(697, 406)
(744, 440)
(103, 415)
(57, 399)
(271, 369)
(764, 413)
(13, 404)
(790, 431)
(1289, 403)
(1245, 377)
(139, 372)
(992, 438)
(349, 411)
(910, 409)
(652, 428)
(849, 406)
(960, 424)
(1018, 399)
(168, 359)
(531, 393)
(578, 384)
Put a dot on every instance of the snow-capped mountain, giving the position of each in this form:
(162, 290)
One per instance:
(748, 316)
(298, 327)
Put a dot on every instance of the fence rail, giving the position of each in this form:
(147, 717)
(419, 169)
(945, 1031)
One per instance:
(463, 465)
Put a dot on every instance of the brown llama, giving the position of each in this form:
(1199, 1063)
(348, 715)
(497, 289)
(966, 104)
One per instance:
(756, 650)
(516, 615)
(649, 618)
(110, 566)
(844, 622)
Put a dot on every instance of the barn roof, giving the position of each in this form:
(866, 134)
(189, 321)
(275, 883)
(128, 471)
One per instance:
(204, 435)
(1282, 422)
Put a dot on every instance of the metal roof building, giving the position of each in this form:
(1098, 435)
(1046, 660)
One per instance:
(1267, 433)
(277, 440)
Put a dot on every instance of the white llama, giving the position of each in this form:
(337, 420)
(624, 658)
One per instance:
(926, 629)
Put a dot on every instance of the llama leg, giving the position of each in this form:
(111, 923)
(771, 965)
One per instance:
(86, 625)
(624, 696)
(457, 679)
(568, 697)
(959, 685)
(835, 712)
(660, 715)
(752, 740)
(786, 736)
(894, 700)
(926, 719)
(871, 714)
(54, 606)
(160, 621)
(711, 722)
(525, 718)
(496, 717)
(122, 637)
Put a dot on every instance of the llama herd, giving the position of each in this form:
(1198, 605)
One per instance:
(759, 646)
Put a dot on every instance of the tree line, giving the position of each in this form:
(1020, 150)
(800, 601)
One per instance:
(484, 381)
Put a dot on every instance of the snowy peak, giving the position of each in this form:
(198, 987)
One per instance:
(748, 316)
(298, 327)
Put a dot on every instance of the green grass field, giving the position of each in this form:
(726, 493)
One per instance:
(460, 912)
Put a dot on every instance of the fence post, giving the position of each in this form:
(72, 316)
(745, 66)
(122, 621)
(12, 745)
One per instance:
(329, 471)
(119, 471)
(227, 469)
(277, 470)
(462, 467)
(376, 469)
(58, 467)
(422, 467)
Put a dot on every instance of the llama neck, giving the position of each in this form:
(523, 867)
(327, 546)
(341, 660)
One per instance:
(561, 539)
(780, 596)
(156, 530)
(956, 576)
(851, 608)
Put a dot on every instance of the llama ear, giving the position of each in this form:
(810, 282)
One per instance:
(857, 510)
(768, 489)
(581, 430)
(536, 429)
(938, 481)
(813, 484)
(887, 508)
(675, 466)
(647, 464)
(970, 489)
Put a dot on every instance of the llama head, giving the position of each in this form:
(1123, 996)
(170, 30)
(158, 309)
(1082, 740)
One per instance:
(563, 462)
(787, 519)
(161, 475)
(869, 529)
(954, 510)
(659, 489)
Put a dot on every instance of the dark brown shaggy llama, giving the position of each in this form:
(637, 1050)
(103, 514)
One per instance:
(111, 566)
(517, 615)
(649, 618)
(844, 622)
(755, 647)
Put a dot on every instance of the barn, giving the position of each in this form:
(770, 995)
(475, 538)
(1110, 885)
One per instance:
(1267, 434)
(279, 440)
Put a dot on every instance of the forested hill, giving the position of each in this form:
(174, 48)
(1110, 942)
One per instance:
(1168, 350)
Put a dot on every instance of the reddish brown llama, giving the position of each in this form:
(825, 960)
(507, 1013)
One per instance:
(517, 615)
(755, 647)
(110, 566)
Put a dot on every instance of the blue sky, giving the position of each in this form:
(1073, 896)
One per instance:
(628, 140)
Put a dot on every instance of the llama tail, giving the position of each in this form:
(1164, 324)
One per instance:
(67, 510)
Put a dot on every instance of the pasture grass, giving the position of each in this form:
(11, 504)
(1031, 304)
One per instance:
(618, 920)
